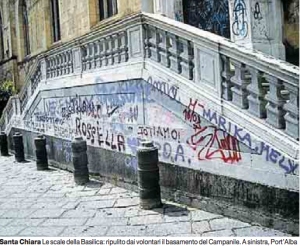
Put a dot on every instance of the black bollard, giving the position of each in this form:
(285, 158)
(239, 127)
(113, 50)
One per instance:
(41, 153)
(18, 146)
(148, 176)
(80, 161)
(3, 144)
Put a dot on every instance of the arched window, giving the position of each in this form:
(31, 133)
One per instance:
(1, 39)
(107, 8)
(55, 20)
(25, 27)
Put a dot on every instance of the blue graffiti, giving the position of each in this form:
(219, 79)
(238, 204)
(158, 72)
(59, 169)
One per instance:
(240, 25)
(263, 149)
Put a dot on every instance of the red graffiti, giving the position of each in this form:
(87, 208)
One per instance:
(215, 143)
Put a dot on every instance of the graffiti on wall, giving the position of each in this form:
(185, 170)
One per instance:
(117, 116)
(240, 23)
(209, 15)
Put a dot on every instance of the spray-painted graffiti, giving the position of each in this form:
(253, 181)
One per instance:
(257, 14)
(240, 24)
(258, 148)
(163, 87)
(209, 141)
(121, 114)
(209, 15)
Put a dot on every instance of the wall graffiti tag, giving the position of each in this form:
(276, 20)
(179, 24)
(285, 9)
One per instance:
(209, 15)
(257, 14)
(240, 24)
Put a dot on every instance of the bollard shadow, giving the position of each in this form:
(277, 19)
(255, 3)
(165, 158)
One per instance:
(171, 211)
(25, 161)
(94, 184)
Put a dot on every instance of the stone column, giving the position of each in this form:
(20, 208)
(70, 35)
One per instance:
(257, 24)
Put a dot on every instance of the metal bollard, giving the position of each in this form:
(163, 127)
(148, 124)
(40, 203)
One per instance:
(3, 144)
(80, 161)
(148, 176)
(41, 153)
(18, 146)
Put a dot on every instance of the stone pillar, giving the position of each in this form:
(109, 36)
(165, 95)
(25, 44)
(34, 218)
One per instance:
(77, 60)
(80, 161)
(41, 153)
(3, 144)
(257, 24)
(18, 147)
(148, 176)
(147, 6)
(170, 8)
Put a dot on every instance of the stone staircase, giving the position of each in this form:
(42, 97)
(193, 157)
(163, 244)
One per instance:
(229, 114)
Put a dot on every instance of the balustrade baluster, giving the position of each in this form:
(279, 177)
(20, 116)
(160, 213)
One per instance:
(163, 48)
(116, 47)
(275, 112)
(97, 54)
(239, 89)
(103, 48)
(186, 59)
(123, 47)
(226, 76)
(292, 109)
(154, 41)
(174, 51)
(256, 98)
(109, 53)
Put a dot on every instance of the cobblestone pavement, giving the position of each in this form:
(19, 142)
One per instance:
(48, 203)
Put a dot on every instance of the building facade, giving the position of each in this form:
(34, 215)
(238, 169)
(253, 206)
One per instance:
(30, 27)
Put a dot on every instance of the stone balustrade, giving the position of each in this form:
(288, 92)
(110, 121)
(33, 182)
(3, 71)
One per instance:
(59, 64)
(260, 85)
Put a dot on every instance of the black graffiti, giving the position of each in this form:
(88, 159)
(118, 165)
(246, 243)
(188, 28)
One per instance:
(257, 14)
(240, 25)
(95, 134)
(161, 132)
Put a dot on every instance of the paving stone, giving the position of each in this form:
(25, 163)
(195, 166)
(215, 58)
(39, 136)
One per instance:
(79, 213)
(117, 190)
(103, 191)
(145, 220)
(10, 230)
(127, 202)
(18, 213)
(84, 231)
(200, 227)
(97, 204)
(222, 233)
(26, 222)
(258, 232)
(112, 212)
(199, 215)
(47, 213)
(126, 231)
(177, 216)
(99, 221)
(4, 222)
(51, 204)
(81, 193)
(226, 223)
(42, 231)
(64, 222)
(168, 229)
